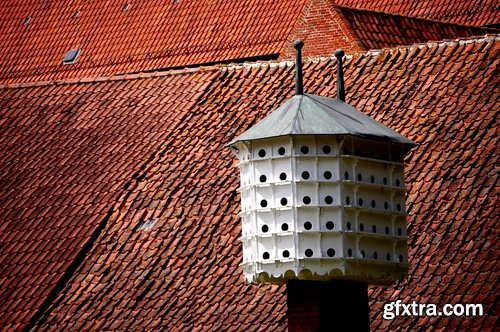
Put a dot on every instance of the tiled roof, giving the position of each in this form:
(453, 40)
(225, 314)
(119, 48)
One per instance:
(375, 30)
(148, 35)
(467, 12)
(168, 255)
(67, 151)
(114, 38)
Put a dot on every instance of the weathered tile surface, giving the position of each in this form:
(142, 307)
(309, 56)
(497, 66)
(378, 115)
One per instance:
(168, 255)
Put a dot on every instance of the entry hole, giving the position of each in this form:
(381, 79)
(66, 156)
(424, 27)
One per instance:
(265, 228)
(327, 149)
(387, 230)
(388, 256)
(360, 177)
(374, 228)
(347, 200)
(304, 149)
(262, 153)
(362, 227)
(284, 227)
(375, 255)
(281, 151)
(330, 225)
(262, 178)
(400, 258)
(286, 253)
(328, 200)
(372, 179)
(305, 175)
(330, 252)
(266, 255)
(263, 203)
(400, 231)
(349, 252)
(327, 175)
(398, 207)
(386, 205)
(348, 224)
(385, 181)
(306, 200)
(308, 225)
(284, 201)
(398, 183)
(363, 254)
(309, 252)
(346, 175)
(360, 201)
(373, 203)
(283, 176)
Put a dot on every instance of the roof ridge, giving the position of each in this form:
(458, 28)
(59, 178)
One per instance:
(112, 78)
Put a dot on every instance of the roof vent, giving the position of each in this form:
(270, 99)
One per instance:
(71, 56)
(146, 224)
(76, 14)
(299, 86)
(339, 54)
(126, 7)
(27, 20)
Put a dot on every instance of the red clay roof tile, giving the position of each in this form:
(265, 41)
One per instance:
(189, 258)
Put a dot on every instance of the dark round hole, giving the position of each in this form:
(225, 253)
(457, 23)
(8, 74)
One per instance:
(388, 256)
(349, 252)
(309, 253)
(401, 258)
(400, 231)
(286, 253)
(284, 201)
(360, 177)
(262, 178)
(348, 224)
(327, 175)
(305, 175)
(375, 255)
(347, 200)
(306, 200)
(373, 203)
(360, 201)
(398, 207)
(326, 149)
(330, 225)
(284, 227)
(283, 176)
(385, 180)
(363, 254)
(398, 183)
(265, 228)
(387, 230)
(263, 203)
(328, 200)
(374, 228)
(330, 252)
(281, 151)
(265, 255)
(262, 153)
(361, 227)
(372, 179)
(304, 149)
(307, 225)
(386, 205)
(346, 175)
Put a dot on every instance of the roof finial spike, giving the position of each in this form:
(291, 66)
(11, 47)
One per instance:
(299, 88)
(339, 54)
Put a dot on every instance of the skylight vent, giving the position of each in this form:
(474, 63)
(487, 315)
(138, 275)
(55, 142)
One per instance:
(71, 56)
(126, 7)
(145, 225)
(27, 20)
(76, 14)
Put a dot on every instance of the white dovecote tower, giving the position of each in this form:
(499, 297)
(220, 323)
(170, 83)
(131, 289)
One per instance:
(322, 192)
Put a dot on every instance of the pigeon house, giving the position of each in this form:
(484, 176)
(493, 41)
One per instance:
(322, 192)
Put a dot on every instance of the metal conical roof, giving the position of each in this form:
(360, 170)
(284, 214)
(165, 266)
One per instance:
(308, 114)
